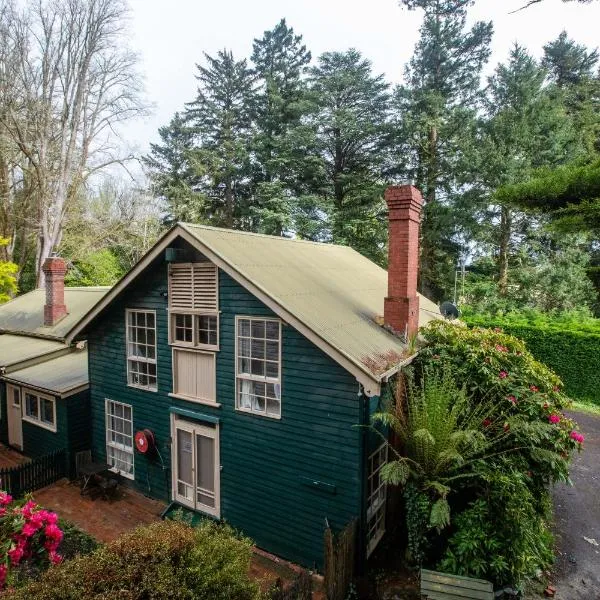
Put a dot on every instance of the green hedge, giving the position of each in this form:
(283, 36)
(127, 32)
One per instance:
(573, 354)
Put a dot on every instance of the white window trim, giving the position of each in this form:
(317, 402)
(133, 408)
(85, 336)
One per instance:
(379, 533)
(205, 401)
(25, 417)
(139, 358)
(194, 344)
(212, 432)
(251, 377)
(118, 446)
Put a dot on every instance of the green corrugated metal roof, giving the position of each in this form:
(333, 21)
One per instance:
(58, 375)
(25, 314)
(15, 348)
(333, 290)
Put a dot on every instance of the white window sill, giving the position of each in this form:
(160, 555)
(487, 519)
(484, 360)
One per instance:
(254, 413)
(41, 424)
(196, 400)
(141, 387)
(185, 346)
(122, 473)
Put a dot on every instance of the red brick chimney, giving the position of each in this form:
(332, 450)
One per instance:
(401, 308)
(54, 270)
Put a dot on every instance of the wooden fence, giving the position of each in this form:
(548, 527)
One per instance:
(38, 473)
(339, 561)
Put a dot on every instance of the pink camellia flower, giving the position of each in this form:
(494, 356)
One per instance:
(5, 498)
(554, 419)
(503, 374)
(29, 529)
(512, 399)
(578, 437)
(486, 422)
(53, 532)
(15, 555)
(534, 388)
(3, 573)
(55, 558)
(28, 509)
(51, 518)
(51, 545)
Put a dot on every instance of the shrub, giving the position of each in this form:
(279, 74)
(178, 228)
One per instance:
(478, 455)
(29, 538)
(163, 560)
(569, 347)
(75, 542)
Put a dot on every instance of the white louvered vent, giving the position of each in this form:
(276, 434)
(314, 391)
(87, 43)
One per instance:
(193, 287)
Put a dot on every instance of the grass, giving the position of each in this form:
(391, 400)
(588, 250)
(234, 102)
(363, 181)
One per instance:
(586, 407)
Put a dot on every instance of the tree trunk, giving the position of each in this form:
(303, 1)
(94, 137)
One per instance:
(504, 249)
(432, 167)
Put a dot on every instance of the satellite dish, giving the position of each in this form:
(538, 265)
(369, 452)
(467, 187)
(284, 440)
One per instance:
(449, 310)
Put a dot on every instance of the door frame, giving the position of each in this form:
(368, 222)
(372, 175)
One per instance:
(196, 429)
(11, 411)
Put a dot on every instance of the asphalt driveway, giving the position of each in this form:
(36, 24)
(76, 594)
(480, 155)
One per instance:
(577, 516)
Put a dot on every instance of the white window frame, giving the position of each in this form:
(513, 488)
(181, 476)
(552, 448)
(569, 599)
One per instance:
(195, 399)
(141, 359)
(38, 420)
(249, 377)
(195, 313)
(114, 445)
(376, 511)
(195, 343)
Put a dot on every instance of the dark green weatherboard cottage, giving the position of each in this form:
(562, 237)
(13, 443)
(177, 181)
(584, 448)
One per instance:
(248, 359)
(44, 391)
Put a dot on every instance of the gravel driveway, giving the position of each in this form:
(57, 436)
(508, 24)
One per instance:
(577, 516)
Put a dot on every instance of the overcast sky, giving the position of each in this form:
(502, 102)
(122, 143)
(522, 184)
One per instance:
(171, 36)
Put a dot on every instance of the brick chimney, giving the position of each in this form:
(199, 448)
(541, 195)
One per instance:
(401, 308)
(54, 270)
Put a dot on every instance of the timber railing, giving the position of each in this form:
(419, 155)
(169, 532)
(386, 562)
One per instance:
(33, 475)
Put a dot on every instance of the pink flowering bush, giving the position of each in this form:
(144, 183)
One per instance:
(28, 534)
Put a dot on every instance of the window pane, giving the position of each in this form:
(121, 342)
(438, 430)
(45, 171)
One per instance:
(205, 449)
(258, 367)
(273, 408)
(47, 411)
(258, 349)
(244, 346)
(31, 406)
(273, 330)
(258, 329)
(244, 327)
(272, 350)
(272, 369)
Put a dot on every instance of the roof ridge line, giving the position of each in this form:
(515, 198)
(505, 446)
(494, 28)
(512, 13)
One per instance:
(264, 235)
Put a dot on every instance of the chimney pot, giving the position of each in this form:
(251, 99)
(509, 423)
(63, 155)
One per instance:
(401, 307)
(55, 269)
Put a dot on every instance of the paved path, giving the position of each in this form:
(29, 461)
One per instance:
(577, 510)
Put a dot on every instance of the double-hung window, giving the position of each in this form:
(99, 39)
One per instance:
(376, 498)
(141, 349)
(193, 305)
(258, 366)
(40, 410)
(119, 437)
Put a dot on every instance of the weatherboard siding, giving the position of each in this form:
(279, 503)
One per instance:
(38, 441)
(280, 479)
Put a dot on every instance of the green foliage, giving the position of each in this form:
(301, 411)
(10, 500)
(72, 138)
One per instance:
(8, 280)
(162, 560)
(75, 541)
(480, 457)
(503, 537)
(569, 345)
(98, 268)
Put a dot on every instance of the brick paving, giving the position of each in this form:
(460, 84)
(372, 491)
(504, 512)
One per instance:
(10, 457)
(102, 519)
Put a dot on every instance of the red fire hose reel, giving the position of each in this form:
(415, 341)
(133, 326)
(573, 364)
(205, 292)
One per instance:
(144, 441)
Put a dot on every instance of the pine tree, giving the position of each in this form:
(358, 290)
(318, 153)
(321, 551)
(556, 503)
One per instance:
(220, 120)
(351, 120)
(279, 60)
(173, 175)
(524, 130)
(435, 107)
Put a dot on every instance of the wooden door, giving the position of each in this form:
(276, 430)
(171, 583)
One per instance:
(196, 466)
(13, 409)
